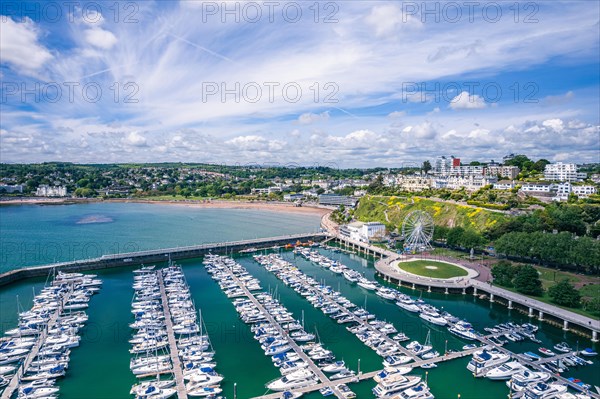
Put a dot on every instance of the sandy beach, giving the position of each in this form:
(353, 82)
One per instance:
(266, 206)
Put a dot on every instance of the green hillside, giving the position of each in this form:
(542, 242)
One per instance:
(392, 210)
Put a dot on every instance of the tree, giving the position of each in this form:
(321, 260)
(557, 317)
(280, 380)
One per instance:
(426, 166)
(503, 273)
(540, 165)
(453, 238)
(376, 185)
(565, 294)
(518, 160)
(527, 281)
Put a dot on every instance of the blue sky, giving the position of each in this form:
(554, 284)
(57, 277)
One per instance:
(353, 84)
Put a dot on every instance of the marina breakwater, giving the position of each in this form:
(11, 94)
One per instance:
(159, 255)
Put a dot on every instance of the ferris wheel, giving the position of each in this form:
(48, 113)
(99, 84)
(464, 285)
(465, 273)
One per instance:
(417, 230)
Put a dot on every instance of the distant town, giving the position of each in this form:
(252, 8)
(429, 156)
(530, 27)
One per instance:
(514, 181)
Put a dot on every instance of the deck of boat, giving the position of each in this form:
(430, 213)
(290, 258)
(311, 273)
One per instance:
(174, 352)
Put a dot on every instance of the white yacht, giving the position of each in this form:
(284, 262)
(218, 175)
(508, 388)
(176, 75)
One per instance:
(421, 391)
(394, 383)
(408, 304)
(297, 379)
(433, 317)
(205, 392)
(541, 390)
(521, 380)
(504, 371)
(487, 358)
(463, 330)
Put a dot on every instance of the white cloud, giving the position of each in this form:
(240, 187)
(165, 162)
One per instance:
(255, 143)
(100, 38)
(310, 118)
(466, 101)
(397, 114)
(554, 124)
(20, 47)
(135, 139)
(387, 19)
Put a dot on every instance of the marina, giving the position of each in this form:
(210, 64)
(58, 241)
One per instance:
(41, 344)
(235, 346)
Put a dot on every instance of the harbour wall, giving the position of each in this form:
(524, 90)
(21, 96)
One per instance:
(155, 256)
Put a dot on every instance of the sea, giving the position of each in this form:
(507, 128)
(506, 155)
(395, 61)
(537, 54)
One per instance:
(99, 367)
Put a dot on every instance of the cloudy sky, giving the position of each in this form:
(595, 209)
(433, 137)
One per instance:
(347, 83)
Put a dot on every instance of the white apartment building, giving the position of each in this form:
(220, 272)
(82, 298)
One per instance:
(364, 232)
(536, 188)
(47, 191)
(470, 183)
(504, 185)
(414, 182)
(466, 170)
(583, 191)
(562, 172)
(563, 190)
(442, 165)
(508, 172)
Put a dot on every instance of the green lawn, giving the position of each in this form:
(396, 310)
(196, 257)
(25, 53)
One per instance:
(443, 269)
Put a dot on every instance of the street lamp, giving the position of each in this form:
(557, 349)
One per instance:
(235, 390)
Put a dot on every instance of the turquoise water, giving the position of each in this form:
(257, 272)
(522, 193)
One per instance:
(43, 234)
(99, 367)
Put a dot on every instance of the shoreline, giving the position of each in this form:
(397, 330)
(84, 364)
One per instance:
(214, 204)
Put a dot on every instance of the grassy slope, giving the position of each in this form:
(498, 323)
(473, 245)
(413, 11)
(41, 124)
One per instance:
(444, 270)
(372, 208)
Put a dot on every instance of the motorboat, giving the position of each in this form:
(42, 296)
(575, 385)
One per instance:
(394, 383)
(588, 352)
(541, 390)
(297, 379)
(463, 330)
(486, 358)
(420, 391)
(203, 392)
(408, 304)
(504, 371)
(522, 379)
(433, 317)
(546, 351)
(395, 360)
(387, 371)
(334, 367)
(563, 347)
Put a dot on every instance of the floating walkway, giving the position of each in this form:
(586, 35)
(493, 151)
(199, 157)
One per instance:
(174, 352)
(312, 366)
(13, 385)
